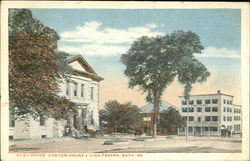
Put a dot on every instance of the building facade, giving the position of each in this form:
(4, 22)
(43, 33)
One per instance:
(83, 89)
(207, 114)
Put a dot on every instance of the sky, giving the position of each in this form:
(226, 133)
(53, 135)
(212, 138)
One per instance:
(102, 35)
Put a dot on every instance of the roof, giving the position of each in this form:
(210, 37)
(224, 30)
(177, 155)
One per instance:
(90, 73)
(210, 94)
(163, 106)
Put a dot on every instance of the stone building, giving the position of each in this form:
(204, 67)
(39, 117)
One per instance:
(207, 114)
(83, 89)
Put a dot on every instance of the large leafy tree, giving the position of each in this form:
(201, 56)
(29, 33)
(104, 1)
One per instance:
(36, 68)
(117, 117)
(152, 63)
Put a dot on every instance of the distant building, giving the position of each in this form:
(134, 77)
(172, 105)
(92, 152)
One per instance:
(207, 114)
(147, 115)
(83, 89)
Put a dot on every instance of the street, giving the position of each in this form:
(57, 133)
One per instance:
(176, 144)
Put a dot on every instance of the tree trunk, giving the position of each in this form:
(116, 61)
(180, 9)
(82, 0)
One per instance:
(156, 107)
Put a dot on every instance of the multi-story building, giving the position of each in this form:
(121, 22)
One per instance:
(207, 114)
(83, 89)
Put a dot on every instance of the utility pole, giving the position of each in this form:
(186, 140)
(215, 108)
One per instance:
(187, 119)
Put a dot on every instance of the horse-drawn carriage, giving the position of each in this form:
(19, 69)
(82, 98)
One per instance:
(225, 133)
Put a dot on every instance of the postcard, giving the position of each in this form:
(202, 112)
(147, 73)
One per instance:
(124, 80)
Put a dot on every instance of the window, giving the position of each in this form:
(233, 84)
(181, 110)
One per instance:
(199, 109)
(67, 88)
(184, 102)
(207, 109)
(12, 122)
(224, 118)
(207, 118)
(224, 101)
(239, 110)
(213, 129)
(42, 121)
(82, 90)
(229, 127)
(198, 102)
(206, 128)
(228, 102)
(224, 109)
(190, 129)
(92, 93)
(199, 119)
(191, 118)
(184, 118)
(191, 102)
(214, 118)
(207, 101)
(215, 109)
(191, 109)
(229, 118)
(235, 118)
(92, 118)
(235, 110)
(214, 101)
(228, 109)
(75, 89)
(231, 102)
(184, 109)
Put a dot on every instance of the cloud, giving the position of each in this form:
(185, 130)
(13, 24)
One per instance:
(95, 39)
(95, 49)
(219, 53)
(151, 25)
(94, 32)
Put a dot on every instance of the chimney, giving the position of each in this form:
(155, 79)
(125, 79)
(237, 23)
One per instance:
(218, 91)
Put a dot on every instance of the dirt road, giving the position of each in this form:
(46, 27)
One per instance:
(160, 145)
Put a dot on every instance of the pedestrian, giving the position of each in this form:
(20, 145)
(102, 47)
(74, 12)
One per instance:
(229, 134)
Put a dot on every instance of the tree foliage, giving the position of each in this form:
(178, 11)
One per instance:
(35, 68)
(171, 119)
(152, 63)
(118, 117)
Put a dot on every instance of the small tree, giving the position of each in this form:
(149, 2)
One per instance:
(171, 119)
(118, 117)
(152, 63)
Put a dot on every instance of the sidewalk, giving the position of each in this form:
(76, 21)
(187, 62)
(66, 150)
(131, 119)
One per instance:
(34, 141)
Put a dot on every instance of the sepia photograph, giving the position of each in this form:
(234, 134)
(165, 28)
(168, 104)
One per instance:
(132, 81)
